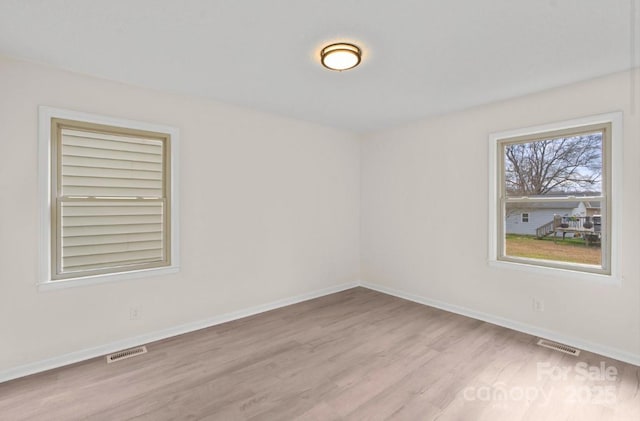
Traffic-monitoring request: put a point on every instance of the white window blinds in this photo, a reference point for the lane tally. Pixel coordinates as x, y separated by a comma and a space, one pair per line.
111, 201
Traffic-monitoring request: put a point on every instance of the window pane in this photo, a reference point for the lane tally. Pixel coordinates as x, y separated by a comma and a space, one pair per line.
559, 231
107, 165
554, 167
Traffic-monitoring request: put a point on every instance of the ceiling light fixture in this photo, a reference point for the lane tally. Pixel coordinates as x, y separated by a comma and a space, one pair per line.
340, 56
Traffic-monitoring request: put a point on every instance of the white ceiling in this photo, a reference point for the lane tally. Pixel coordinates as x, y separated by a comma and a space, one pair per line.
420, 57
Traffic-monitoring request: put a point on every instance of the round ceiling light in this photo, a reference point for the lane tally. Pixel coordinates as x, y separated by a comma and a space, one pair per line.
340, 56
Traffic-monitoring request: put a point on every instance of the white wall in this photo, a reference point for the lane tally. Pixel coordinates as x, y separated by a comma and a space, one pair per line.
418, 238
269, 210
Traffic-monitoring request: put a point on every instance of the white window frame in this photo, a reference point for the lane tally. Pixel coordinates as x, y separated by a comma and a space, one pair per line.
522, 217
45, 115
615, 119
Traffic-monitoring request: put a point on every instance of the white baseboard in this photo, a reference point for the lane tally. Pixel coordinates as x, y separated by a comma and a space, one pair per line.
85, 354
74, 357
606, 351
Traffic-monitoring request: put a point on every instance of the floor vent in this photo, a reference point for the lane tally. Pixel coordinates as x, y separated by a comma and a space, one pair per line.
127, 353
559, 347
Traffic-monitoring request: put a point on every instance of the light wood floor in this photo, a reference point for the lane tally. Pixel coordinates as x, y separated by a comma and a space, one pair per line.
356, 355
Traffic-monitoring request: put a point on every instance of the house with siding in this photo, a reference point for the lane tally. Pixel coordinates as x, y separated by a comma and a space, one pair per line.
524, 218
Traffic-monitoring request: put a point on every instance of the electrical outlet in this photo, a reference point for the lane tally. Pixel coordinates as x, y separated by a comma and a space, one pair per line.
134, 313
538, 305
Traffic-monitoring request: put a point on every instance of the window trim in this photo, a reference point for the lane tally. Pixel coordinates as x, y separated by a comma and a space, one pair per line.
615, 191
46, 241
522, 217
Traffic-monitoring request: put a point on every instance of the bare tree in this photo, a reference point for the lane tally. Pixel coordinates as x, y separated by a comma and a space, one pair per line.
554, 165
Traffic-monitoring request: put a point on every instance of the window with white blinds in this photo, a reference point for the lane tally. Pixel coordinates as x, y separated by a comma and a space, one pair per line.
111, 199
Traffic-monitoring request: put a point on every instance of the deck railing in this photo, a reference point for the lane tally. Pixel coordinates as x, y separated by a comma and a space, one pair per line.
570, 224
545, 229
577, 223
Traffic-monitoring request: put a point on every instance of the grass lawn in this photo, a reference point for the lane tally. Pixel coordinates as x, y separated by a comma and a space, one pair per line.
550, 248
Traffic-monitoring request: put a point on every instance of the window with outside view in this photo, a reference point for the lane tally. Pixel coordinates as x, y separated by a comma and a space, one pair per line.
553, 199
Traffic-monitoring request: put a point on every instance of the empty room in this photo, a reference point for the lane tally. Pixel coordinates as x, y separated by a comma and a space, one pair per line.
331, 210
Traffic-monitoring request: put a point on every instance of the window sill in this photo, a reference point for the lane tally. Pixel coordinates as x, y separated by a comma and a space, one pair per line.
557, 272
106, 278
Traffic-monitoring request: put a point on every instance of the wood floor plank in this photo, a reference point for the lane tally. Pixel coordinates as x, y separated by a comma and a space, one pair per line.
354, 355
